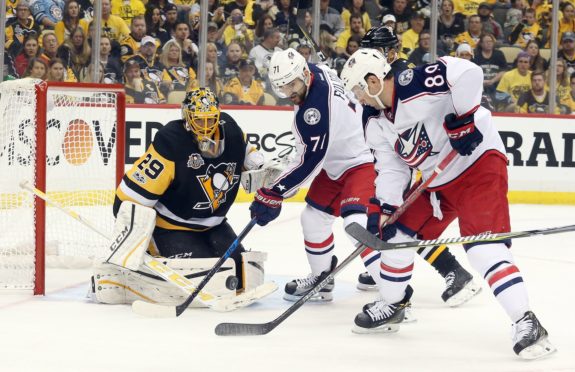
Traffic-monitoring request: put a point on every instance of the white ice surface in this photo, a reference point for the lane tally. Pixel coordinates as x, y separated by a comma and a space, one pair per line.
63, 331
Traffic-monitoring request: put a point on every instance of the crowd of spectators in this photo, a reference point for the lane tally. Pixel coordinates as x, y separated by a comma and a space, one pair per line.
152, 46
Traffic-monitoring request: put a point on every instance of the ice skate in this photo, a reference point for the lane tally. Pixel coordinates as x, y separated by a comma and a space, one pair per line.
365, 282
460, 287
530, 338
380, 317
298, 288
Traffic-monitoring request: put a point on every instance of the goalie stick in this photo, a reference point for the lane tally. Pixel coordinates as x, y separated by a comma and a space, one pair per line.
247, 329
171, 311
365, 237
167, 273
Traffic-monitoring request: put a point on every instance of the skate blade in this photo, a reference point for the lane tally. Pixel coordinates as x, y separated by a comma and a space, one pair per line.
538, 350
366, 287
408, 316
466, 293
320, 297
385, 328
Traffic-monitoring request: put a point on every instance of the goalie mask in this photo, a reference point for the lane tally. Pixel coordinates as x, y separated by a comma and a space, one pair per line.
201, 113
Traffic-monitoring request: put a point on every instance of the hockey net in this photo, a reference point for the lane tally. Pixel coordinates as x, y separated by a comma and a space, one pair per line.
67, 140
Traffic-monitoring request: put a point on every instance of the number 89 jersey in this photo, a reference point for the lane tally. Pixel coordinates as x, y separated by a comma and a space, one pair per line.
413, 126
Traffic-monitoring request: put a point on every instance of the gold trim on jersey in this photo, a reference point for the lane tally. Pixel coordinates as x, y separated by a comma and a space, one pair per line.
152, 172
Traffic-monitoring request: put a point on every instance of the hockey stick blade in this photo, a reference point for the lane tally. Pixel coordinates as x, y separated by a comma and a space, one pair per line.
247, 298
258, 329
243, 329
365, 237
219, 304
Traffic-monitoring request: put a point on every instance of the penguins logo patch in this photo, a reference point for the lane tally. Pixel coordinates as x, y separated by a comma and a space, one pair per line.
405, 77
216, 183
312, 116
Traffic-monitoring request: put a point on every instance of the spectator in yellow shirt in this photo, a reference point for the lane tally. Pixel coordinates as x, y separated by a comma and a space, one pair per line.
237, 30
113, 26
570, 99
58, 72
517, 81
128, 9
244, 89
355, 6
70, 21
567, 23
467, 7
563, 88
356, 29
526, 31
473, 33
410, 38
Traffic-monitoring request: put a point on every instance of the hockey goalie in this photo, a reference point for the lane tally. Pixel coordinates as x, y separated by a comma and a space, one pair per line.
171, 211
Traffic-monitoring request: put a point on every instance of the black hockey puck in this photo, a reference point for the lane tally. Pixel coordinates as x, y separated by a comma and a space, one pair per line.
232, 283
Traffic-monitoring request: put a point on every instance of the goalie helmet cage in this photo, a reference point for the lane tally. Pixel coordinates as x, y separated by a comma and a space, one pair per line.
67, 140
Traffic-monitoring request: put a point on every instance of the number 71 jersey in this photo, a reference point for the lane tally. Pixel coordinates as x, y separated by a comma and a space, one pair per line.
328, 133
413, 126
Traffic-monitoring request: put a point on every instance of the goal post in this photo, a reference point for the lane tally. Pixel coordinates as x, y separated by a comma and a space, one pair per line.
67, 140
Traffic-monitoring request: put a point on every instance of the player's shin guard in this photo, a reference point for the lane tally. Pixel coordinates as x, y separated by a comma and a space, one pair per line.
495, 263
318, 239
396, 268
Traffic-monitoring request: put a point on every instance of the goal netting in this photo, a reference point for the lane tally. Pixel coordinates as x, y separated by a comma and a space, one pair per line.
67, 140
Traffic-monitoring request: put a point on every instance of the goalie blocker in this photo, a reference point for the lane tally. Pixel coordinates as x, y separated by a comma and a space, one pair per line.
123, 278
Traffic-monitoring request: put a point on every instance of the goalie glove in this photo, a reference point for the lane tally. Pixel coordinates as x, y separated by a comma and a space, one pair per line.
252, 180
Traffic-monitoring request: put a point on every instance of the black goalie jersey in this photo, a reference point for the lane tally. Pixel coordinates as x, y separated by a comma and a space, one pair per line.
188, 191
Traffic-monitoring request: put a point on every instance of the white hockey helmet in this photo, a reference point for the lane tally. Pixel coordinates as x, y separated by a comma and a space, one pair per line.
286, 66
362, 63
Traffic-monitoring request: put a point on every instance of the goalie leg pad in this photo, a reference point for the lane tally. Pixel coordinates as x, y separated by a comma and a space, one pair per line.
112, 284
253, 268
132, 233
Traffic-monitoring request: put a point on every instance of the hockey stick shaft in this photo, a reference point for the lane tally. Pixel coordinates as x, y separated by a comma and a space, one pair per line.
307, 36
244, 329
165, 272
183, 306
42, 195
366, 238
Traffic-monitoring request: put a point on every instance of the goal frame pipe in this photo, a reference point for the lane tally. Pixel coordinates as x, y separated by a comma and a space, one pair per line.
41, 90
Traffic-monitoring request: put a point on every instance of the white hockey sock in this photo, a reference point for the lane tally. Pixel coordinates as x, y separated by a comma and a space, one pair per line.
495, 263
319, 254
369, 257
394, 277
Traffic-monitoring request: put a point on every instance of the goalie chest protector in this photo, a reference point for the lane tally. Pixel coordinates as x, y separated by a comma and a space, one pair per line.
202, 187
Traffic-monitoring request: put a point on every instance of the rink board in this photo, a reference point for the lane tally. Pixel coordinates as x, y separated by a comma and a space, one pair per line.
539, 147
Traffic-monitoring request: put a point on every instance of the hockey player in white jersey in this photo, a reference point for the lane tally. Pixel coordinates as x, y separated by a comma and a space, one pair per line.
460, 286
426, 112
331, 151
